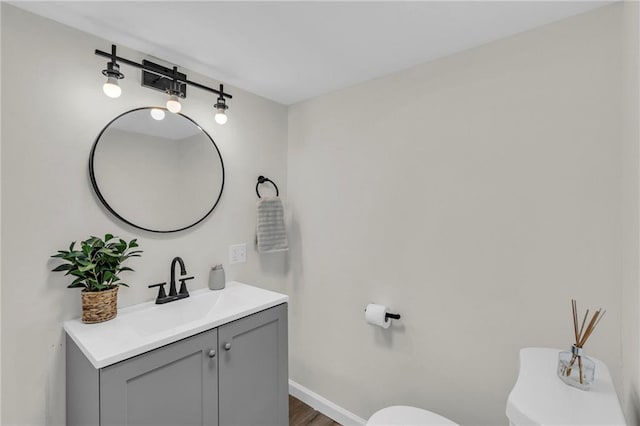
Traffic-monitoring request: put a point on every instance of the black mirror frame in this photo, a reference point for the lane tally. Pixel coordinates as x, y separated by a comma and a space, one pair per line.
104, 202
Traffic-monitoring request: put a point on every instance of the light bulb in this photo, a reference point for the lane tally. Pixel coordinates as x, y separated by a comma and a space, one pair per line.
221, 116
157, 113
111, 88
173, 104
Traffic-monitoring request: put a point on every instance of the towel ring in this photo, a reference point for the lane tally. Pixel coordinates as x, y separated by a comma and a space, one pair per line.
262, 179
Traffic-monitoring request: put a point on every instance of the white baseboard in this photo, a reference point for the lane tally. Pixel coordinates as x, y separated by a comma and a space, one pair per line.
325, 406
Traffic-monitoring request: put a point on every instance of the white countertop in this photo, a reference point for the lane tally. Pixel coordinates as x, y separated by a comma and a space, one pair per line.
540, 397
147, 326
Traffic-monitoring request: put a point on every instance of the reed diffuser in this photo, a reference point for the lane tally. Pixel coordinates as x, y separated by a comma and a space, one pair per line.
580, 376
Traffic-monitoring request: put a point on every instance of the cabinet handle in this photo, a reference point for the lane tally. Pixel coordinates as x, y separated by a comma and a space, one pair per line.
212, 353
227, 346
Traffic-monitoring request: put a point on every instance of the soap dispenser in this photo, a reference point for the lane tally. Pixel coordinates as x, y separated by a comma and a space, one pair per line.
216, 278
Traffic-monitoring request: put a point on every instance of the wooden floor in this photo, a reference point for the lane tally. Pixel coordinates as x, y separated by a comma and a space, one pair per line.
300, 414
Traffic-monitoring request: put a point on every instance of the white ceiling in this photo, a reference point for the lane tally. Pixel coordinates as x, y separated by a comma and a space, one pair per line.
291, 51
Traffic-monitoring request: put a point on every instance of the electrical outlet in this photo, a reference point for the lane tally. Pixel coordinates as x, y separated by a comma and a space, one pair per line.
238, 253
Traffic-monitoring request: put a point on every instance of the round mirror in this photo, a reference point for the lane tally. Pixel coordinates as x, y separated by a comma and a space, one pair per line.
156, 170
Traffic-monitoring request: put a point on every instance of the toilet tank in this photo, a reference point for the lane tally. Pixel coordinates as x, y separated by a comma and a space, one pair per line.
539, 397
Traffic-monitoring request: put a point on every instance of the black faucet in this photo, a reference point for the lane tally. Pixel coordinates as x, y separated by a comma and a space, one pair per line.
183, 271
173, 295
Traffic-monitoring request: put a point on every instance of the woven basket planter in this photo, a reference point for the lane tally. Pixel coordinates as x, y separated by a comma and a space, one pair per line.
99, 306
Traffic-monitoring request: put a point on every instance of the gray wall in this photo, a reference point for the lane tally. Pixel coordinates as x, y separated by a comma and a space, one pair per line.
629, 389
52, 110
476, 195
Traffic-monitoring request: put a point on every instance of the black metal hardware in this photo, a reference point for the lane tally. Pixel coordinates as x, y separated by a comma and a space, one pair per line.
174, 88
159, 72
183, 285
160, 82
221, 104
113, 69
183, 271
388, 315
162, 296
262, 179
173, 295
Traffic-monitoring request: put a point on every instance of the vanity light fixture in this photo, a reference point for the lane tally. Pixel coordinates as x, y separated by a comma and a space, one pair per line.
157, 77
221, 108
173, 103
113, 74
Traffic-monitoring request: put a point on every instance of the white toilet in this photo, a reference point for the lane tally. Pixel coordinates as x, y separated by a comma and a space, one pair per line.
538, 398
404, 415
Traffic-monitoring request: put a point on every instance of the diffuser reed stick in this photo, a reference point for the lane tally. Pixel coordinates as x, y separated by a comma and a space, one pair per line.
581, 335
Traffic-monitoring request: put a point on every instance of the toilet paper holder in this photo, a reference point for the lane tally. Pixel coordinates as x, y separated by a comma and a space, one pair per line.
388, 315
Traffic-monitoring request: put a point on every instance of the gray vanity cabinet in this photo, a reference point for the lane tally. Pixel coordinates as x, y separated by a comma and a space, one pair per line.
253, 372
235, 374
173, 385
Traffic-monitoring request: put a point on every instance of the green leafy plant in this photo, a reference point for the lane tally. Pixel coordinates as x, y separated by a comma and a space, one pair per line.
97, 264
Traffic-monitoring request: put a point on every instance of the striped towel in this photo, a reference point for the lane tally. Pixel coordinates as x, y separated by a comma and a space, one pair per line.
271, 234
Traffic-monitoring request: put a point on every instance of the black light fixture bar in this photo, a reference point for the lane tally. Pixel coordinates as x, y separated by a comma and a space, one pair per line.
160, 73
160, 83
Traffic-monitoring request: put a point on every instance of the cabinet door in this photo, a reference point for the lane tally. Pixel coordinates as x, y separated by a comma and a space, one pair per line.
253, 372
173, 385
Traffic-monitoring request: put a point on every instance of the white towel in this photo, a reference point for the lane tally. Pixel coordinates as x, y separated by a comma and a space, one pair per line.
271, 234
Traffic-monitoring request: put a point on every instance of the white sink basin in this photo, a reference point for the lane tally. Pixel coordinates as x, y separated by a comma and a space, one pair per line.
147, 326
173, 314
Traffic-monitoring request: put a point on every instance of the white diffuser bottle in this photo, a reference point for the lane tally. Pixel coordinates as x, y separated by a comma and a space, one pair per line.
575, 369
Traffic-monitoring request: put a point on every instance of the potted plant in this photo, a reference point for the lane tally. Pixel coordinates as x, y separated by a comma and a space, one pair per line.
96, 267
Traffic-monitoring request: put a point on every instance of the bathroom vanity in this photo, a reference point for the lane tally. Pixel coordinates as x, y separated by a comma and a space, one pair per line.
215, 358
